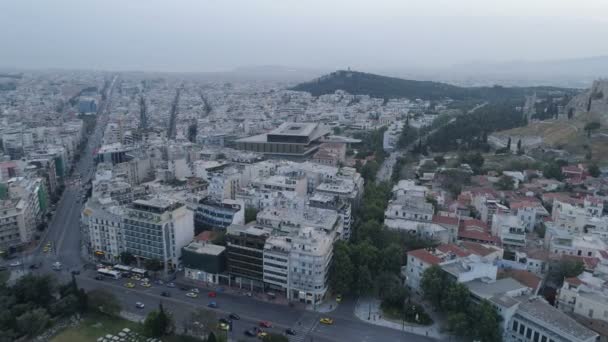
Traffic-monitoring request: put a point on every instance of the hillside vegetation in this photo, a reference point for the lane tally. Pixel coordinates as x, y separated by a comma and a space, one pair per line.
360, 83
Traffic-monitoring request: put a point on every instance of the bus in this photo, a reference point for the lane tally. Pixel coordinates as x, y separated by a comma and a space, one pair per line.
131, 271
109, 273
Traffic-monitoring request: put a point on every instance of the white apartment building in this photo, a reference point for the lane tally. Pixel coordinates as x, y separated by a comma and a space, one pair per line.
585, 295
158, 229
420, 260
578, 220
224, 184
309, 263
276, 263
510, 229
584, 246
102, 231
13, 231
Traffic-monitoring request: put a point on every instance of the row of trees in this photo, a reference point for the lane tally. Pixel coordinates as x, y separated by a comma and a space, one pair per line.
34, 302
473, 321
371, 263
471, 130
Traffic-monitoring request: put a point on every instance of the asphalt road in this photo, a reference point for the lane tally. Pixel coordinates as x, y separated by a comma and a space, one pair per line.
63, 232
346, 326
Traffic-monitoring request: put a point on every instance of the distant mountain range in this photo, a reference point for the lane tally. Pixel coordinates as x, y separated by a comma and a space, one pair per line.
360, 83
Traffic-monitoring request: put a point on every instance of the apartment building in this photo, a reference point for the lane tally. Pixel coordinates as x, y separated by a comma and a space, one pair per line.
157, 229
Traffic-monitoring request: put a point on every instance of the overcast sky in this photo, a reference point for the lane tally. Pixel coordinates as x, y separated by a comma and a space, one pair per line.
211, 35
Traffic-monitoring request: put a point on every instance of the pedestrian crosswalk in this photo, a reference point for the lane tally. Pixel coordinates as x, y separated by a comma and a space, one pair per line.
303, 327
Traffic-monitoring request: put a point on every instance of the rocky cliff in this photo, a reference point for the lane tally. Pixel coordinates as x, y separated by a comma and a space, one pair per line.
593, 100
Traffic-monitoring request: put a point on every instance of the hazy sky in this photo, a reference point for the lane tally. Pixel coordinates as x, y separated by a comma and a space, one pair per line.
208, 35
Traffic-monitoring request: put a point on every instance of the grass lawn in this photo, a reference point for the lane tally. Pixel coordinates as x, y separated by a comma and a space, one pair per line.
95, 326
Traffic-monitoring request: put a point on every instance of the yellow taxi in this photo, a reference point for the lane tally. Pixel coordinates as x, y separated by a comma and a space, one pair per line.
339, 298
129, 285
327, 320
224, 326
262, 334
144, 284
46, 249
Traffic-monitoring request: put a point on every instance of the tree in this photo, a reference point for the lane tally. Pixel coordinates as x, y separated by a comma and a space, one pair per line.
250, 214
594, 170
520, 150
33, 322
458, 323
505, 183
440, 160
365, 284
553, 170
127, 258
342, 269
211, 337
103, 302
153, 265
456, 298
486, 320
159, 323
35, 289
388, 284
390, 259
565, 268
592, 126
433, 285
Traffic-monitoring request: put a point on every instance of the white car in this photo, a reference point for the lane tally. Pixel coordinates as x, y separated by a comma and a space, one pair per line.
195, 290
139, 305
15, 264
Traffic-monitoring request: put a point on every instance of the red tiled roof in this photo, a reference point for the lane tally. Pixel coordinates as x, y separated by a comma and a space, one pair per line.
425, 256
477, 248
206, 236
478, 236
454, 249
573, 281
527, 278
467, 223
445, 220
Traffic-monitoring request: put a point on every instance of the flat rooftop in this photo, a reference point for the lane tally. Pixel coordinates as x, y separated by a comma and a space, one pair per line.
295, 128
205, 248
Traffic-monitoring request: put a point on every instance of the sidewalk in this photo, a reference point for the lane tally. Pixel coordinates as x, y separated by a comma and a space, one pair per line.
368, 310
327, 306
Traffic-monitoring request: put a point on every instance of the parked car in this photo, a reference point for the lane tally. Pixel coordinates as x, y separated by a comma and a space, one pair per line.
265, 324
98, 277
290, 331
234, 316
212, 294
129, 285
165, 294
225, 320
139, 305
212, 305
191, 295
170, 285
75, 272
